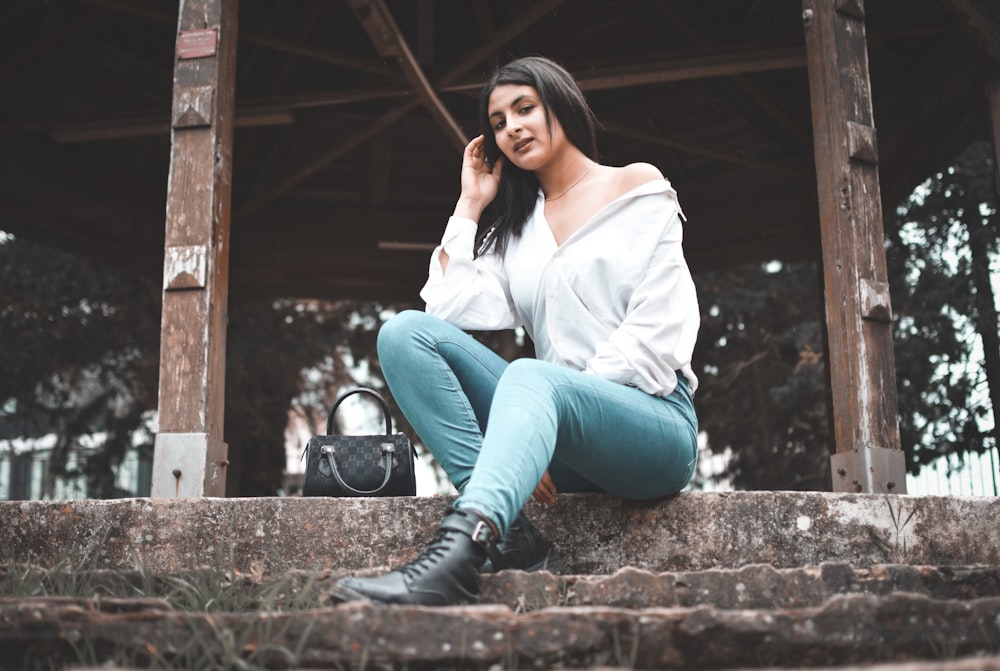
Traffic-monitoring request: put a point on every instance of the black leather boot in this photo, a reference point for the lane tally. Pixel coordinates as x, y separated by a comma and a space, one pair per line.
445, 573
524, 548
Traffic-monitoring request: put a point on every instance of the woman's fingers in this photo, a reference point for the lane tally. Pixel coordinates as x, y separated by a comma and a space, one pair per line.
496, 172
475, 147
479, 180
545, 492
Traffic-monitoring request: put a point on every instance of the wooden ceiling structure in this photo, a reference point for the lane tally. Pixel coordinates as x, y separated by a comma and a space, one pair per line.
344, 174
311, 149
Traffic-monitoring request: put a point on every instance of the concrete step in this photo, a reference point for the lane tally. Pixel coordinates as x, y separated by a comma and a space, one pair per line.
964, 664
738, 580
758, 586
595, 534
846, 630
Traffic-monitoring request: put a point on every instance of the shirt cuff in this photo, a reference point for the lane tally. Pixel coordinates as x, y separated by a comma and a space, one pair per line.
459, 237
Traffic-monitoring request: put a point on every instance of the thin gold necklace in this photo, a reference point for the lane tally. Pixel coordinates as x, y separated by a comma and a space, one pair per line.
567, 189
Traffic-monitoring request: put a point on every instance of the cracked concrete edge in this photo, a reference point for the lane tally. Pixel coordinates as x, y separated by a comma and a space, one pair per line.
848, 629
594, 533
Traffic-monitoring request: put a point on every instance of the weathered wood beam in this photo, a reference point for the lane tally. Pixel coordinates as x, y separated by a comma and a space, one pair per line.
333, 98
680, 69
350, 143
389, 42
709, 65
308, 25
858, 310
508, 32
259, 111
926, 100
714, 65
738, 88
319, 55
250, 113
190, 456
254, 37
695, 150
115, 129
981, 19
278, 141
536, 12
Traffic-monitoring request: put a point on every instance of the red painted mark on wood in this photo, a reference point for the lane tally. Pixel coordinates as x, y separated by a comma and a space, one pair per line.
197, 44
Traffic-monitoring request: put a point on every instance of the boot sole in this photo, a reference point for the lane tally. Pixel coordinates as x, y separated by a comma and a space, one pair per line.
341, 594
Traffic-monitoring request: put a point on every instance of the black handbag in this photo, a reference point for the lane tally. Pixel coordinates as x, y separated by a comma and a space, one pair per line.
379, 465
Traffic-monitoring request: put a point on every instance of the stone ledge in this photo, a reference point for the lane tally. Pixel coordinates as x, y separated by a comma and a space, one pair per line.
846, 630
755, 586
596, 534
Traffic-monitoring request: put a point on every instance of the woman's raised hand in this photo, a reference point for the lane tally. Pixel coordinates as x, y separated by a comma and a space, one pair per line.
480, 182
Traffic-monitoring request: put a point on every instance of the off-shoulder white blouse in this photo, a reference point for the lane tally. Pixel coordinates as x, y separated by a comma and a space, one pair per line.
615, 300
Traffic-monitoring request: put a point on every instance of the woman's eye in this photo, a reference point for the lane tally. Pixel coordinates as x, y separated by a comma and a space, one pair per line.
527, 108
498, 125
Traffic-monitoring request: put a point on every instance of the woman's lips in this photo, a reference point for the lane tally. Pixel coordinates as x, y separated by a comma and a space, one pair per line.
521, 144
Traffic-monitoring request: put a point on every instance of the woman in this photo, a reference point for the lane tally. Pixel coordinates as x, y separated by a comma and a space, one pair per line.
587, 258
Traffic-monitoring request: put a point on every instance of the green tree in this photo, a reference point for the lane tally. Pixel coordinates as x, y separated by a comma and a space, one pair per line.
939, 252
762, 388
79, 351
763, 396
79, 348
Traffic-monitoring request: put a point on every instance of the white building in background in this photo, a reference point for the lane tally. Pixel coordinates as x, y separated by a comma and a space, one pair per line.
24, 472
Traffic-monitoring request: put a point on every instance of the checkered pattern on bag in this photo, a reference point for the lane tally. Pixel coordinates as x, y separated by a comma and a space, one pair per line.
358, 464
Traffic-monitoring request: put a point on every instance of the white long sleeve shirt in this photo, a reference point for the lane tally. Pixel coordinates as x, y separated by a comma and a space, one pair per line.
616, 300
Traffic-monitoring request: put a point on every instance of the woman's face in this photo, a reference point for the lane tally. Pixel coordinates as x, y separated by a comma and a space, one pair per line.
517, 118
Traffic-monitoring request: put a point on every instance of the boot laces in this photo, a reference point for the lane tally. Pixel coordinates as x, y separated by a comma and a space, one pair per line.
431, 555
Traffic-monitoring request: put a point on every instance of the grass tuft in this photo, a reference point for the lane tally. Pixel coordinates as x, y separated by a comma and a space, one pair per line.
214, 643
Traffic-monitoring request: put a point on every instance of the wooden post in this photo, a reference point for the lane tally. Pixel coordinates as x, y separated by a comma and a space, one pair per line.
993, 95
190, 456
858, 310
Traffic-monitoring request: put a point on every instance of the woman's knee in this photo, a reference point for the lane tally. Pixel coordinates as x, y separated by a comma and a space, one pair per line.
398, 330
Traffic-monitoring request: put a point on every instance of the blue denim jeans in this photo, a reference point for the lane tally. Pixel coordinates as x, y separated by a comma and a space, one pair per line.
495, 427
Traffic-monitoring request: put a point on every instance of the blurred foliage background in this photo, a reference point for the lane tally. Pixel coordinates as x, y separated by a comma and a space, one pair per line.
79, 354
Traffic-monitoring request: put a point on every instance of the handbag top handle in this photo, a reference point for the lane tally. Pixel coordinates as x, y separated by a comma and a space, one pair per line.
361, 390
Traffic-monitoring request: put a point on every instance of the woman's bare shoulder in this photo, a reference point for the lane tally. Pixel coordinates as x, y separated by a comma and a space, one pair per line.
635, 175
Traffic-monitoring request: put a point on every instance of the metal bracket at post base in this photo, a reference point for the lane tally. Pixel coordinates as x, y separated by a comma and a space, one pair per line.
189, 464
869, 470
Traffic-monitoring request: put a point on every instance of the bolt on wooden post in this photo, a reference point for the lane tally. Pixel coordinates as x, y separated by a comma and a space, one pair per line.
190, 456
858, 309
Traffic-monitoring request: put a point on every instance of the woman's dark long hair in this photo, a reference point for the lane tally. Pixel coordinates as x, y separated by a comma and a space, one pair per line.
561, 97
